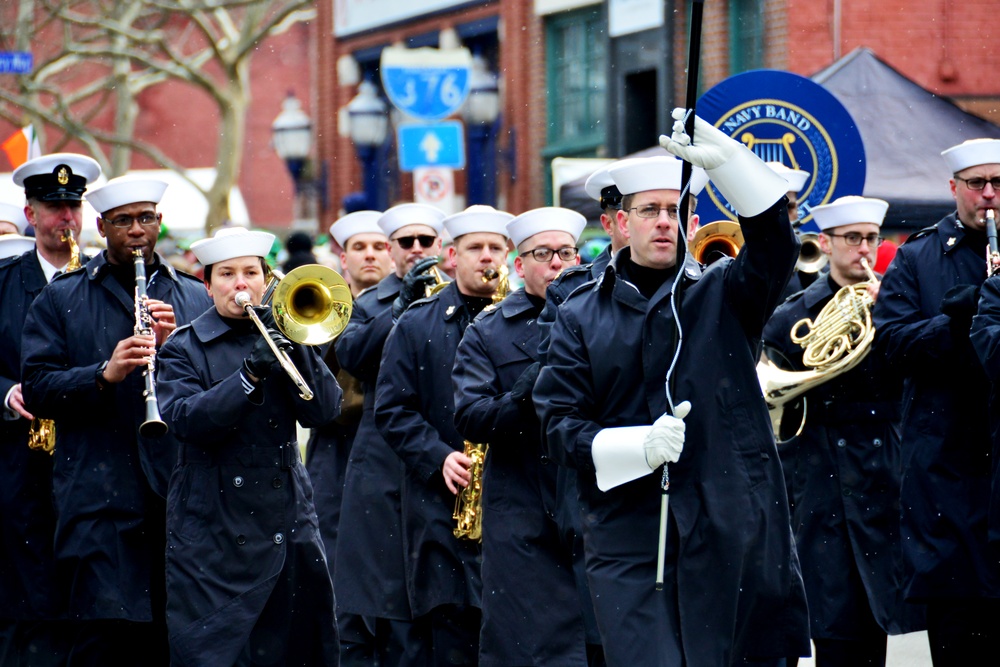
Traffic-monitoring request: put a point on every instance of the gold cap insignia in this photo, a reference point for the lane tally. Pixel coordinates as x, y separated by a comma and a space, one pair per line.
62, 176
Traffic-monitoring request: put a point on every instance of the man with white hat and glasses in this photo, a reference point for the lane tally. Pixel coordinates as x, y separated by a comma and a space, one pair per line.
84, 367
842, 470
926, 306
654, 364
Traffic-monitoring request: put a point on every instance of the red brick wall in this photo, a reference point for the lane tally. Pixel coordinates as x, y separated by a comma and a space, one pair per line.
521, 65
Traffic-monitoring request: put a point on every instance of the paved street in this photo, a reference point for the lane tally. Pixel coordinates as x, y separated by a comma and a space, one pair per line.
908, 650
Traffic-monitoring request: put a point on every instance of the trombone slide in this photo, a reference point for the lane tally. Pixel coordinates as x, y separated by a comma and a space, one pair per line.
244, 302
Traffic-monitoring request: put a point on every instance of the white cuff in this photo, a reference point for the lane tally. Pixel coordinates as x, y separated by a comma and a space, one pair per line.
748, 183
9, 413
620, 455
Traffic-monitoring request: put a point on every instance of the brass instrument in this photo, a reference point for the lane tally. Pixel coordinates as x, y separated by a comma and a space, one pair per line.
468, 513
837, 341
153, 426
992, 252
811, 257
440, 282
311, 305
716, 239
42, 432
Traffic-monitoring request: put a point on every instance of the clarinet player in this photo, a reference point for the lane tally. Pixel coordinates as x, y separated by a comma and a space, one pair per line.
79, 361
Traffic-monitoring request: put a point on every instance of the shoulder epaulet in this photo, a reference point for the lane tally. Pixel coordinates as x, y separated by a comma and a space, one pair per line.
926, 231
184, 274
365, 291
7, 261
424, 301
66, 274
488, 311
181, 328
582, 288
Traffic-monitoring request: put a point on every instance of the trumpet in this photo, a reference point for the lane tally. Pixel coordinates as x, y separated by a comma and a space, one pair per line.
311, 305
715, 240
811, 257
153, 426
440, 282
992, 252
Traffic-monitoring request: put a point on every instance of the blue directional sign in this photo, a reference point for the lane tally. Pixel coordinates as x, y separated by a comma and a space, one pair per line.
431, 145
16, 62
426, 84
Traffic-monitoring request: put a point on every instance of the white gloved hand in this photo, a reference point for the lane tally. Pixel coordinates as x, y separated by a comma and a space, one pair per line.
749, 185
713, 147
665, 440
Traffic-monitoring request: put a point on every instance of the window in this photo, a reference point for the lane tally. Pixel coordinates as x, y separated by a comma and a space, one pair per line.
746, 35
577, 85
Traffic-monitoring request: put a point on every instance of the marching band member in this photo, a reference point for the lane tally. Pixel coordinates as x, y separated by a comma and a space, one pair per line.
30, 598
415, 413
371, 583
247, 580
531, 611
843, 470
922, 318
366, 262
654, 363
79, 358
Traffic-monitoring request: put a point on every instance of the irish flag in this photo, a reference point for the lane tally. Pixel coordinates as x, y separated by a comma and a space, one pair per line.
21, 146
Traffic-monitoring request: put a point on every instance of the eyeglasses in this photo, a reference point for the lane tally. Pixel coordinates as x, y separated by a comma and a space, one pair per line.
126, 221
653, 211
980, 183
854, 238
566, 254
406, 242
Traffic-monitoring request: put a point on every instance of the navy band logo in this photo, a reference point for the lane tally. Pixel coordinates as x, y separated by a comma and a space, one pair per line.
787, 118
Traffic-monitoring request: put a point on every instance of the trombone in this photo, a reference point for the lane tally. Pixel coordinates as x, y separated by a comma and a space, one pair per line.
311, 305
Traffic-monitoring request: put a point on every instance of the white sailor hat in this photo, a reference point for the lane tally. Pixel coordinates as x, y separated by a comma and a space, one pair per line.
230, 242
601, 186
662, 172
57, 176
402, 215
850, 210
15, 215
359, 222
972, 153
478, 218
12, 245
796, 177
546, 219
125, 190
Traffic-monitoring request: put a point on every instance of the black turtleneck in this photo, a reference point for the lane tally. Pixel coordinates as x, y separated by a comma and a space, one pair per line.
240, 326
124, 274
975, 238
646, 279
537, 303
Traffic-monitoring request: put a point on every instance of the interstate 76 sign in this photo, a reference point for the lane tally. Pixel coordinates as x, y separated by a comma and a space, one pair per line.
427, 84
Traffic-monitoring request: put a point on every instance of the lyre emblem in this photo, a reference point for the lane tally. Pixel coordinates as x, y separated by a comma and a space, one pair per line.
62, 176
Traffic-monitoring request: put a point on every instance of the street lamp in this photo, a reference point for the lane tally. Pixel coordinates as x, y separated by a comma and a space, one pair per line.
368, 127
291, 134
481, 111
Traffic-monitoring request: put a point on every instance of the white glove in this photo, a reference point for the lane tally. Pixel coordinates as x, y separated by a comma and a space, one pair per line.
713, 149
665, 440
742, 177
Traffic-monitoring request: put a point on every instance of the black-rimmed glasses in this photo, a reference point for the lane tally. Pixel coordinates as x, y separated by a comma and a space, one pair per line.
855, 239
566, 254
406, 242
126, 221
980, 183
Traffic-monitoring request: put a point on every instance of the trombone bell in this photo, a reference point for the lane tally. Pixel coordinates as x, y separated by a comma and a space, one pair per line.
311, 304
811, 257
716, 239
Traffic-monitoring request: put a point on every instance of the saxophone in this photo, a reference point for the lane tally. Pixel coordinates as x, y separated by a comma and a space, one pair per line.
468, 513
42, 432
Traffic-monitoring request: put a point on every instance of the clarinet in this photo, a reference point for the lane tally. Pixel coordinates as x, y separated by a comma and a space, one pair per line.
992, 252
153, 426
